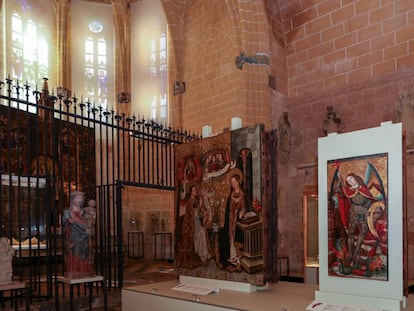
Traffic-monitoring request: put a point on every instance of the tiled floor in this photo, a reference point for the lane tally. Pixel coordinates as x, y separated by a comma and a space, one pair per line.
136, 272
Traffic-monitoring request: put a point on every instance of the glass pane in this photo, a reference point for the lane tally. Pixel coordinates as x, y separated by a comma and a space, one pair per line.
101, 47
16, 23
89, 46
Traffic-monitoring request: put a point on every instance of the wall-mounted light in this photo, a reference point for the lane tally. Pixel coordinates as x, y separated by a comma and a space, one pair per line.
236, 123
206, 131
179, 87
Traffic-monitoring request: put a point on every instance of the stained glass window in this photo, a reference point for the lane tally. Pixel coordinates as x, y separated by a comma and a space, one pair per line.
149, 66
92, 54
27, 43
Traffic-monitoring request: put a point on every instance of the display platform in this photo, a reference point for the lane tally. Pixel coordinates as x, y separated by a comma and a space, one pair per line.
161, 296
277, 297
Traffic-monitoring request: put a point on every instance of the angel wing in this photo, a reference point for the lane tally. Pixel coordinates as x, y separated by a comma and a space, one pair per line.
376, 187
374, 183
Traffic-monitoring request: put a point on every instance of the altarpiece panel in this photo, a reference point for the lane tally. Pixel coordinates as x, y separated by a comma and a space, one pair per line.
219, 222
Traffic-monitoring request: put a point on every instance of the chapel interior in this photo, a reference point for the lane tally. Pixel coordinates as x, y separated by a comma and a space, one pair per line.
125, 74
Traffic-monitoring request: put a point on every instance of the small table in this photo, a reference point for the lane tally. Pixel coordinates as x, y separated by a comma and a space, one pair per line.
86, 281
162, 239
14, 287
135, 244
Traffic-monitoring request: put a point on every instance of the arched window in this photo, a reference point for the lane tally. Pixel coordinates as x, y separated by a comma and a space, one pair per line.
96, 72
27, 43
92, 54
149, 62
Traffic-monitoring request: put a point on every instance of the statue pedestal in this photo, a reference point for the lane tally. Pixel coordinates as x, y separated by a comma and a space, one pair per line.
87, 281
14, 287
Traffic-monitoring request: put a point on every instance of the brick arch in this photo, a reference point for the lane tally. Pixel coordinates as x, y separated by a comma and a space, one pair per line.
241, 26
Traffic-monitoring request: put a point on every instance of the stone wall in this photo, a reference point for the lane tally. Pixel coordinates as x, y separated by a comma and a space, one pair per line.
356, 56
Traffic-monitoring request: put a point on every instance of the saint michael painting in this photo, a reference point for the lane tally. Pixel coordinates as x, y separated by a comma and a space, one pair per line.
358, 217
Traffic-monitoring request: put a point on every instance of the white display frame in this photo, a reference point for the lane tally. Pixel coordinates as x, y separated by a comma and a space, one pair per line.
373, 294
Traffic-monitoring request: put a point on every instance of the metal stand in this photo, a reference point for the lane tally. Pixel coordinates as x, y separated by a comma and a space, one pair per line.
162, 240
135, 244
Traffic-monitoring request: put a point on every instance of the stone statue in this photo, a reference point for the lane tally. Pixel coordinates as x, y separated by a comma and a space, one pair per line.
6, 257
79, 225
284, 138
331, 123
406, 117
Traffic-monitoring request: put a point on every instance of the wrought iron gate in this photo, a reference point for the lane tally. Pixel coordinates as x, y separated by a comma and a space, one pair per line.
51, 145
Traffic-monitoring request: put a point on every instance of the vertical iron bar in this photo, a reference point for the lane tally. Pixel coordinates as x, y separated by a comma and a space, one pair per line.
52, 219
76, 141
148, 154
152, 155
119, 232
170, 163
128, 156
123, 176
140, 151
163, 148
102, 209
157, 157
133, 160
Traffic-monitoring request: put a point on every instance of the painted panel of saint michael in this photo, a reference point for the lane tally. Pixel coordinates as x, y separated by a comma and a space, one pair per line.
358, 217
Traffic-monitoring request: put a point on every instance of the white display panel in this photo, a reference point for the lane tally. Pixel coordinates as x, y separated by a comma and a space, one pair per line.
384, 294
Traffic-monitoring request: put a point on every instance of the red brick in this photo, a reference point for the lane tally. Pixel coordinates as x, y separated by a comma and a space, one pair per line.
382, 42
403, 6
364, 6
405, 34
298, 81
345, 41
297, 58
358, 50
337, 81
411, 46
370, 59
290, 49
396, 51
317, 25
359, 75
342, 14
346, 65
295, 34
320, 50
303, 17
309, 66
346, 2
380, 14
306, 5
315, 85
308, 42
405, 61
394, 23
338, 56
287, 24
383, 68
356, 23
292, 7
332, 33
328, 7
369, 32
